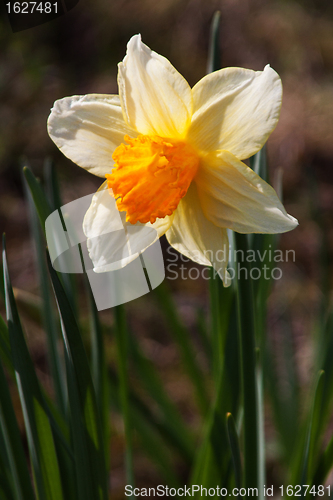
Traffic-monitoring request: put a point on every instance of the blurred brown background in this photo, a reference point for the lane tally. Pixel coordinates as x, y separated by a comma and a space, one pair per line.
78, 54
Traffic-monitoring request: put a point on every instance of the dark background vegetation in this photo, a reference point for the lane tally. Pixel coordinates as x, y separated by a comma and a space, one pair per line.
78, 54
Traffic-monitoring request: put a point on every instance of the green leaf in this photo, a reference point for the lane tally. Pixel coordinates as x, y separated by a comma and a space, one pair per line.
324, 344
156, 449
153, 419
44, 209
316, 430
5, 352
41, 445
7, 491
52, 190
235, 449
52, 194
11, 433
42, 206
324, 464
220, 306
50, 324
285, 403
215, 326
99, 371
181, 336
85, 421
247, 345
59, 426
212, 461
148, 375
324, 355
214, 56
153, 444
311, 442
121, 332
261, 428
203, 331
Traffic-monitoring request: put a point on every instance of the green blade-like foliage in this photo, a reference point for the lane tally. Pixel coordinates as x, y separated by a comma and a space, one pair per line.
214, 53
216, 324
52, 194
155, 444
11, 434
212, 461
285, 403
6, 479
121, 334
91, 477
151, 381
316, 430
324, 464
49, 320
44, 209
156, 449
203, 332
221, 299
5, 353
304, 468
40, 439
235, 450
99, 371
181, 335
42, 205
325, 353
58, 424
154, 420
247, 336
52, 190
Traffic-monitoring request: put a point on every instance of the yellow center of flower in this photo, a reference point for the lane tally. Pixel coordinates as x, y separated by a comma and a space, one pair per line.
150, 176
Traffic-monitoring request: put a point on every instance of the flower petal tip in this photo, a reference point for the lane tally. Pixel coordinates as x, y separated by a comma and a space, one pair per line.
287, 224
225, 277
294, 222
134, 43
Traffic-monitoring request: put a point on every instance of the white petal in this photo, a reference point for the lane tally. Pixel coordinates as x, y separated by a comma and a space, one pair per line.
112, 242
235, 109
87, 129
197, 238
154, 96
233, 196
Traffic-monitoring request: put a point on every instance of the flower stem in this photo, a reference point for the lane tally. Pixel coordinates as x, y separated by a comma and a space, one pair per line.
245, 305
216, 334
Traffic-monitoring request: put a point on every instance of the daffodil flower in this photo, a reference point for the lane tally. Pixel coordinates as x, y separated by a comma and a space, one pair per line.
171, 155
